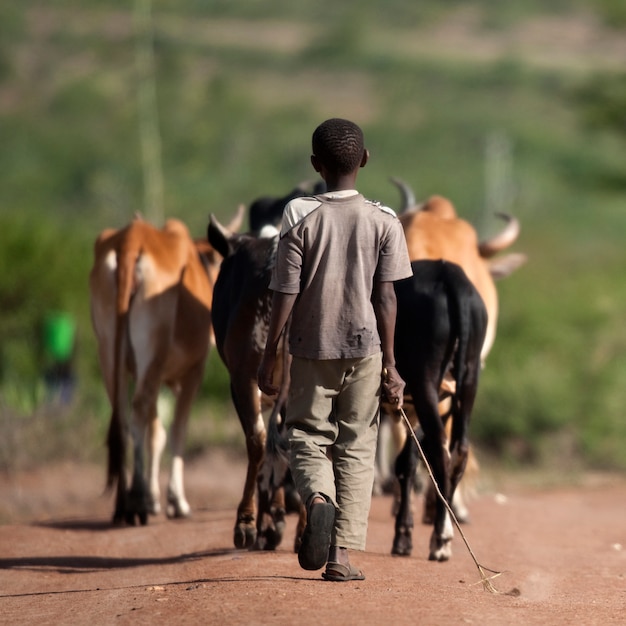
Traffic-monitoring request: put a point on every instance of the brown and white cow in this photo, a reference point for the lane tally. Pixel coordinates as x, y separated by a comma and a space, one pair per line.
434, 231
150, 295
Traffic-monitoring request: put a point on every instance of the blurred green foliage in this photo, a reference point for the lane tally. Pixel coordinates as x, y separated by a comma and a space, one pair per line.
240, 86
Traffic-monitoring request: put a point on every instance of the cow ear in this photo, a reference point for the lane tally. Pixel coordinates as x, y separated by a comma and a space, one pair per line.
219, 237
503, 266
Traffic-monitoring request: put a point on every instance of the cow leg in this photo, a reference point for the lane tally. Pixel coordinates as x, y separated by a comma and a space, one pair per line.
461, 512
430, 496
464, 488
119, 514
147, 431
272, 476
271, 516
177, 505
157, 438
435, 448
246, 401
440, 547
117, 439
383, 478
271, 480
140, 502
459, 441
405, 467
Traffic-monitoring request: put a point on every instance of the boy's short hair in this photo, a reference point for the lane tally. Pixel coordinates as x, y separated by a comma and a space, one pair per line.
339, 145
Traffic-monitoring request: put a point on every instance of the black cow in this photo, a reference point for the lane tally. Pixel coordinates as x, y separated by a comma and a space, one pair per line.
440, 329
268, 210
241, 309
240, 312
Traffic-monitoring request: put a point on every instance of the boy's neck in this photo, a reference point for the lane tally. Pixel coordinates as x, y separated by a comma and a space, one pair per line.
340, 182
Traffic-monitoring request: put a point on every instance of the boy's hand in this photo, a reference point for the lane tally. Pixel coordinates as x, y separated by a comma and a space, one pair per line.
265, 375
393, 386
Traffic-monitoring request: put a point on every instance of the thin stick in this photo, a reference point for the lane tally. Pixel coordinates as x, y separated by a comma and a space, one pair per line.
484, 579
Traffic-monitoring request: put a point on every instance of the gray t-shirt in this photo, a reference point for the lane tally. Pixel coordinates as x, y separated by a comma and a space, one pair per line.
331, 251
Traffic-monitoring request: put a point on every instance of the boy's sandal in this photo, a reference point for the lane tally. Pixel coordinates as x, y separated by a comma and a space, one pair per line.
338, 572
313, 551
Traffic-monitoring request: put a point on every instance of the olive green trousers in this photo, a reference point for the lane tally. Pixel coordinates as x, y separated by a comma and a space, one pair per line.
332, 420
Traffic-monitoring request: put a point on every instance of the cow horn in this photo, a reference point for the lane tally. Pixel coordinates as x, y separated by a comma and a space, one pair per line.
219, 236
503, 239
235, 223
408, 197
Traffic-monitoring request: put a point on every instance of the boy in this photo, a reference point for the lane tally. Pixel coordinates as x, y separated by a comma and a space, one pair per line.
337, 258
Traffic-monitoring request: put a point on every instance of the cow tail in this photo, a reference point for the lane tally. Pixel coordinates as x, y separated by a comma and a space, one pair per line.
276, 452
460, 305
277, 446
117, 438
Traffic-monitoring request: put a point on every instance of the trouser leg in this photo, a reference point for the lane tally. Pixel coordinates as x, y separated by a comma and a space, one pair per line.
314, 385
357, 418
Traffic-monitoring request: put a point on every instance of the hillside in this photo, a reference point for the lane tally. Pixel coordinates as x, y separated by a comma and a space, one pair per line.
483, 103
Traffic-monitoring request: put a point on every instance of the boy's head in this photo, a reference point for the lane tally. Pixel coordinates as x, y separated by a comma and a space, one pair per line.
338, 146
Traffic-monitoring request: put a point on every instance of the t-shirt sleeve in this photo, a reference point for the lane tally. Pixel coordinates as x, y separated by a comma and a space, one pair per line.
288, 266
394, 263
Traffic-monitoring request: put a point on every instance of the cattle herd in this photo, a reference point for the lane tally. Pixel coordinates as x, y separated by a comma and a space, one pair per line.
160, 299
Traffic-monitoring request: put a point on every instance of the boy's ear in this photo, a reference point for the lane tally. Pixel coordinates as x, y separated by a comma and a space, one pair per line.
365, 159
315, 163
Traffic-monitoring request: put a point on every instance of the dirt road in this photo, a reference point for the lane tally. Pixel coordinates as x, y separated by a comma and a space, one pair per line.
563, 552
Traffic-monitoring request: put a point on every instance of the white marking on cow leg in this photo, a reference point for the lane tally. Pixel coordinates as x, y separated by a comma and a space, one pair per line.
457, 460
459, 507
157, 437
259, 425
177, 505
441, 545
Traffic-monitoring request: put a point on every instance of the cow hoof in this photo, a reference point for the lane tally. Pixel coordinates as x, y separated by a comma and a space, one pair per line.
138, 504
440, 551
462, 515
402, 542
439, 557
132, 517
118, 519
268, 539
177, 510
441, 542
401, 550
244, 536
271, 537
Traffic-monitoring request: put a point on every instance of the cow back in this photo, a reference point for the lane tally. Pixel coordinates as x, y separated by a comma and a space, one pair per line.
242, 301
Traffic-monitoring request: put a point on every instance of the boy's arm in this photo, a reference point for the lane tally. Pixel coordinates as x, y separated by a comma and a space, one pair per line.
282, 305
385, 308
